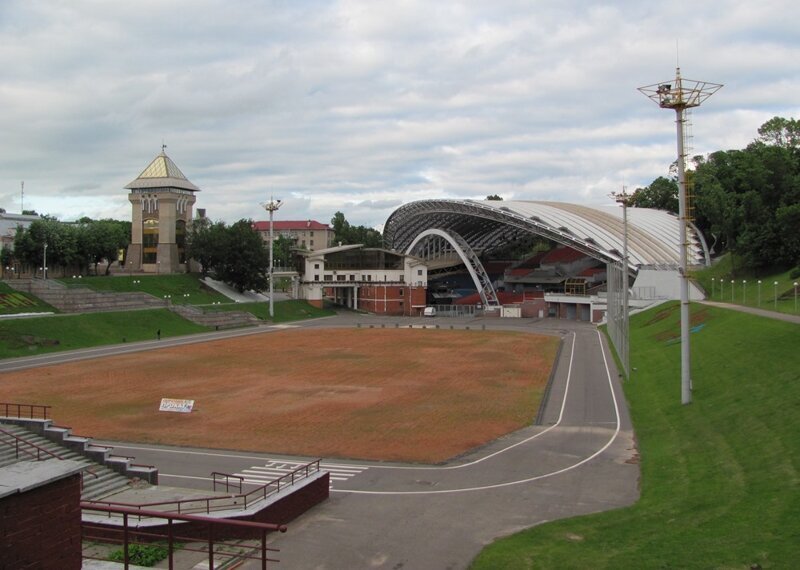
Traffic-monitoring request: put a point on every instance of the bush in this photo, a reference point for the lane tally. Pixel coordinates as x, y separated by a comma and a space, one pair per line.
141, 554
795, 273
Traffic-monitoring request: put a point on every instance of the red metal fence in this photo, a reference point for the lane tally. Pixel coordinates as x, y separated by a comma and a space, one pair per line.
28, 411
127, 535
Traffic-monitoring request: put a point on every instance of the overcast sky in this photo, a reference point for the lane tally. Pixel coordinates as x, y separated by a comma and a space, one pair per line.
361, 106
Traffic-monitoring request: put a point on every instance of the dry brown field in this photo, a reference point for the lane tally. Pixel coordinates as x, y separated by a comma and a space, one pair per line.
391, 394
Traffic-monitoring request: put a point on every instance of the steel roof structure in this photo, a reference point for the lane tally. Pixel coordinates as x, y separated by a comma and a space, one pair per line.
484, 225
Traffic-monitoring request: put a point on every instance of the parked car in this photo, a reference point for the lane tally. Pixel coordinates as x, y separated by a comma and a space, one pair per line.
429, 312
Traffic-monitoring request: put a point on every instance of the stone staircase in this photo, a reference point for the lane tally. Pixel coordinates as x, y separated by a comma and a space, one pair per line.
105, 474
83, 299
216, 319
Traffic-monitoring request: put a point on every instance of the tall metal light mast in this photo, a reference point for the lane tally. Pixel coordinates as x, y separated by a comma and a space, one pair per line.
271, 207
624, 199
679, 95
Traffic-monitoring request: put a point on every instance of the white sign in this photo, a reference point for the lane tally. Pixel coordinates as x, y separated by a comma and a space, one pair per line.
173, 405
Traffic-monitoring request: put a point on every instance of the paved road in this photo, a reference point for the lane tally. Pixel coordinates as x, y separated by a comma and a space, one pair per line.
580, 460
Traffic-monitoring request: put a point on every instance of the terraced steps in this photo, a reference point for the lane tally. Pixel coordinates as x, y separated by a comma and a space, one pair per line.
99, 480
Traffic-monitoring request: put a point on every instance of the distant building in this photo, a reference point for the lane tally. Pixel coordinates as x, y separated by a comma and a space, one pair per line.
369, 279
162, 199
9, 223
309, 235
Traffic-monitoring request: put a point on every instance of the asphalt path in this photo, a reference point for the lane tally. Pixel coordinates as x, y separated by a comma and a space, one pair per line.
580, 459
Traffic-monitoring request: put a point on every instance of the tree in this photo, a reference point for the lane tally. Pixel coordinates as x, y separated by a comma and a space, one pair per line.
102, 240
346, 234
781, 132
494, 197
205, 242
245, 259
661, 194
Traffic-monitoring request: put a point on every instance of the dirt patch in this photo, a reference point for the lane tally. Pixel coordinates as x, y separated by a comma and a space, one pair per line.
394, 394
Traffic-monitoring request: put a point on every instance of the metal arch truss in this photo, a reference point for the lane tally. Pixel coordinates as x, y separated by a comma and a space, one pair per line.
436, 243
482, 227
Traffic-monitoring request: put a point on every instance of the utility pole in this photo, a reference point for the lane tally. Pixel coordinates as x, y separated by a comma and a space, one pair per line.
624, 198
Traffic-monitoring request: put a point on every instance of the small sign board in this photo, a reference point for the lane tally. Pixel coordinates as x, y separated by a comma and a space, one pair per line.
173, 405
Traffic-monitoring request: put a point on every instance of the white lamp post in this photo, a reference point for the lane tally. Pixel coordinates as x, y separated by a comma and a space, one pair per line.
271, 207
744, 291
713, 281
759, 292
775, 293
732, 291
795, 296
44, 262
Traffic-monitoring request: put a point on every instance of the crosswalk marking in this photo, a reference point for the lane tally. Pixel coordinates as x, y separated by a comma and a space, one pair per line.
261, 474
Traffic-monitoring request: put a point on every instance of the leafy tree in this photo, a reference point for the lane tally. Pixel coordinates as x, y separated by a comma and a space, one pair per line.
780, 132
347, 234
494, 197
661, 194
282, 250
205, 241
102, 240
245, 259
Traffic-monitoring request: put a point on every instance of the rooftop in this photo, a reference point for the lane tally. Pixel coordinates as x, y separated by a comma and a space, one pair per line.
162, 173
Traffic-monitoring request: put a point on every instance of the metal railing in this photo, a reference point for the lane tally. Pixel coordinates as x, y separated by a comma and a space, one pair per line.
18, 441
128, 535
27, 411
211, 504
225, 479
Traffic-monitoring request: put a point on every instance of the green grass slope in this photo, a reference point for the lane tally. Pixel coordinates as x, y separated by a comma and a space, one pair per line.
13, 302
39, 335
292, 310
182, 288
719, 485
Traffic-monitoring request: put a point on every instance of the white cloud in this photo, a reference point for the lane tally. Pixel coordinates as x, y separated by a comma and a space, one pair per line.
358, 106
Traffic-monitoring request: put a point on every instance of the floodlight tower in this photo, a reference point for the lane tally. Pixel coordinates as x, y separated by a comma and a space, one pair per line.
624, 199
271, 207
680, 95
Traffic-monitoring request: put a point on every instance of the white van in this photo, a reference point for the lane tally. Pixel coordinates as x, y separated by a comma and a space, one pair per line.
429, 312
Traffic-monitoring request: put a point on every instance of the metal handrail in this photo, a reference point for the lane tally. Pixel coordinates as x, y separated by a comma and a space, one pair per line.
226, 480
221, 503
39, 451
129, 534
32, 410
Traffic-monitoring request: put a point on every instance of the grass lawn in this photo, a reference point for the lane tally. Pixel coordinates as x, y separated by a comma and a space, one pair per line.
720, 486
182, 288
284, 310
745, 289
13, 302
30, 336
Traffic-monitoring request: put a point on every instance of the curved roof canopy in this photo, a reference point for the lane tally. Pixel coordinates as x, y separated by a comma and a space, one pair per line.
653, 235
162, 173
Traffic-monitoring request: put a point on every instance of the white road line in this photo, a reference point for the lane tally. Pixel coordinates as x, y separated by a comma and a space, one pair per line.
529, 479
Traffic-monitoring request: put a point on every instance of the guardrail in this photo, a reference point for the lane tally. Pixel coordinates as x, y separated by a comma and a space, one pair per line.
126, 536
211, 504
27, 411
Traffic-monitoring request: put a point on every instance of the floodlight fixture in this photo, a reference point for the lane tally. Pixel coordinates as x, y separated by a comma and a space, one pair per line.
681, 94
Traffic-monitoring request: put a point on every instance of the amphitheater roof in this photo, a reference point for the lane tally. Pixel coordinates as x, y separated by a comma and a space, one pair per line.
653, 235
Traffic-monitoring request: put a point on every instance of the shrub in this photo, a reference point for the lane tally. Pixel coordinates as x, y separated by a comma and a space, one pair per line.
141, 554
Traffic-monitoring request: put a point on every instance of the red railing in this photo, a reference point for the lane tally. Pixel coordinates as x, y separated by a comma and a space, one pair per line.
238, 501
93, 532
28, 411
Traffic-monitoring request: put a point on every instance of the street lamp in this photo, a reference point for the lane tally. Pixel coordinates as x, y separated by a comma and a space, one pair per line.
775, 289
732, 291
759, 292
744, 291
721, 289
271, 207
44, 262
713, 281
795, 296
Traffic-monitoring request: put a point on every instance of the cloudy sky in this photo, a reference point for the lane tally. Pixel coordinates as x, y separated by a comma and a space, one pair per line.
362, 105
